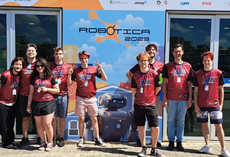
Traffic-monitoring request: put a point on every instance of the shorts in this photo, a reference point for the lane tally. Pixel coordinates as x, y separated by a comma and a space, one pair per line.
140, 112
61, 106
43, 108
22, 104
86, 103
216, 116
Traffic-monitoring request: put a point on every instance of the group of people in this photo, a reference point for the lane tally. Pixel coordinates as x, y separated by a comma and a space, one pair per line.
178, 77
37, 87
47, 97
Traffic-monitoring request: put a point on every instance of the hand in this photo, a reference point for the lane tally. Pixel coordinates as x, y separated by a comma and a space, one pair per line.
43, 89
165, 103
71, 69
189, 103
197, 109
99, 67
28, 109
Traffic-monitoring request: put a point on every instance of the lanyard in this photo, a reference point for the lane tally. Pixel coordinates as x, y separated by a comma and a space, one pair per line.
14, 83
178, 72
59, 73
142, 81
207, 80
154, 64
40, 82
86, 73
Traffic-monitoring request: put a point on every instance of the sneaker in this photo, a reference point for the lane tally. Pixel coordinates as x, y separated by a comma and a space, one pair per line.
205, 149
192, 129
81, 142
61, 142
54, 142
170, 146
24, 142
39, 141
49, 146
158, 144
179, 146
225, 153
42, 146
156, 152
143, 152
14, 143
100, 142
11, 146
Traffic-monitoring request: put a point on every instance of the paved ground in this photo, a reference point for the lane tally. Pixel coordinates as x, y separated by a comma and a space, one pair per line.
113, 149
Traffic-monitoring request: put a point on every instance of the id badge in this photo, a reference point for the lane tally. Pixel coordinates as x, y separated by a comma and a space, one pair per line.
39, 90
59, 81
141, 90
14, 92
206, 88
178, 79
86, 83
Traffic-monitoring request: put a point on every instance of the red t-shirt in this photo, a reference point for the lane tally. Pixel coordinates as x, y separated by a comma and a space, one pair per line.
25, 78
48, 83
86, 82
9, 82
177, 90
61, 72
208, 98
157, 66
148, 81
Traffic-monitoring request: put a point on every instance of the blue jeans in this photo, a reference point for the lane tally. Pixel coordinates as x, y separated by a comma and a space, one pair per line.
179, 109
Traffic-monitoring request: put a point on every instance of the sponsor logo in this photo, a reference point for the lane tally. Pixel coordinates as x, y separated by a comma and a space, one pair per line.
141, 3
184, 3
227, 3
117, 2
185, 95
166, 2
216, 102
158, 2
132, 35
206, 3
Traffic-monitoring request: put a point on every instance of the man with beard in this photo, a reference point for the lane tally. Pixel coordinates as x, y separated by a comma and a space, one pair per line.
31, 53
153, 64
8, 94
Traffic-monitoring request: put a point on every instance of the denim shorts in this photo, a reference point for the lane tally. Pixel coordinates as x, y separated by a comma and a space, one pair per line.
61, 106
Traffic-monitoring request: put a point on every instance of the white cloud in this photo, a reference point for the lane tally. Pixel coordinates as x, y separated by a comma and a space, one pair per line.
38, 30
94, 38
108, 68
223, 41
207, 39
47, 40
178, 27
27, 19
81, 23
90, 49
131, 22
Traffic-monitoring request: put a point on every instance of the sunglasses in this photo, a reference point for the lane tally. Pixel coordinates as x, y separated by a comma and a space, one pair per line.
38, 66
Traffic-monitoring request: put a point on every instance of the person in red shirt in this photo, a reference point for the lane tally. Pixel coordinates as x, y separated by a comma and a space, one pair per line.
177, 95
145, 85
60, 71
43, 87
84, 76
31, 53
8, 94
209, 99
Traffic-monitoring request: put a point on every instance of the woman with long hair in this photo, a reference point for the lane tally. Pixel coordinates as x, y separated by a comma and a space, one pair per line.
41, 101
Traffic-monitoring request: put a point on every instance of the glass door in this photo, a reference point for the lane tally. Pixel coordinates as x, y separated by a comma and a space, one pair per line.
223, 63
3, 42
195, 34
